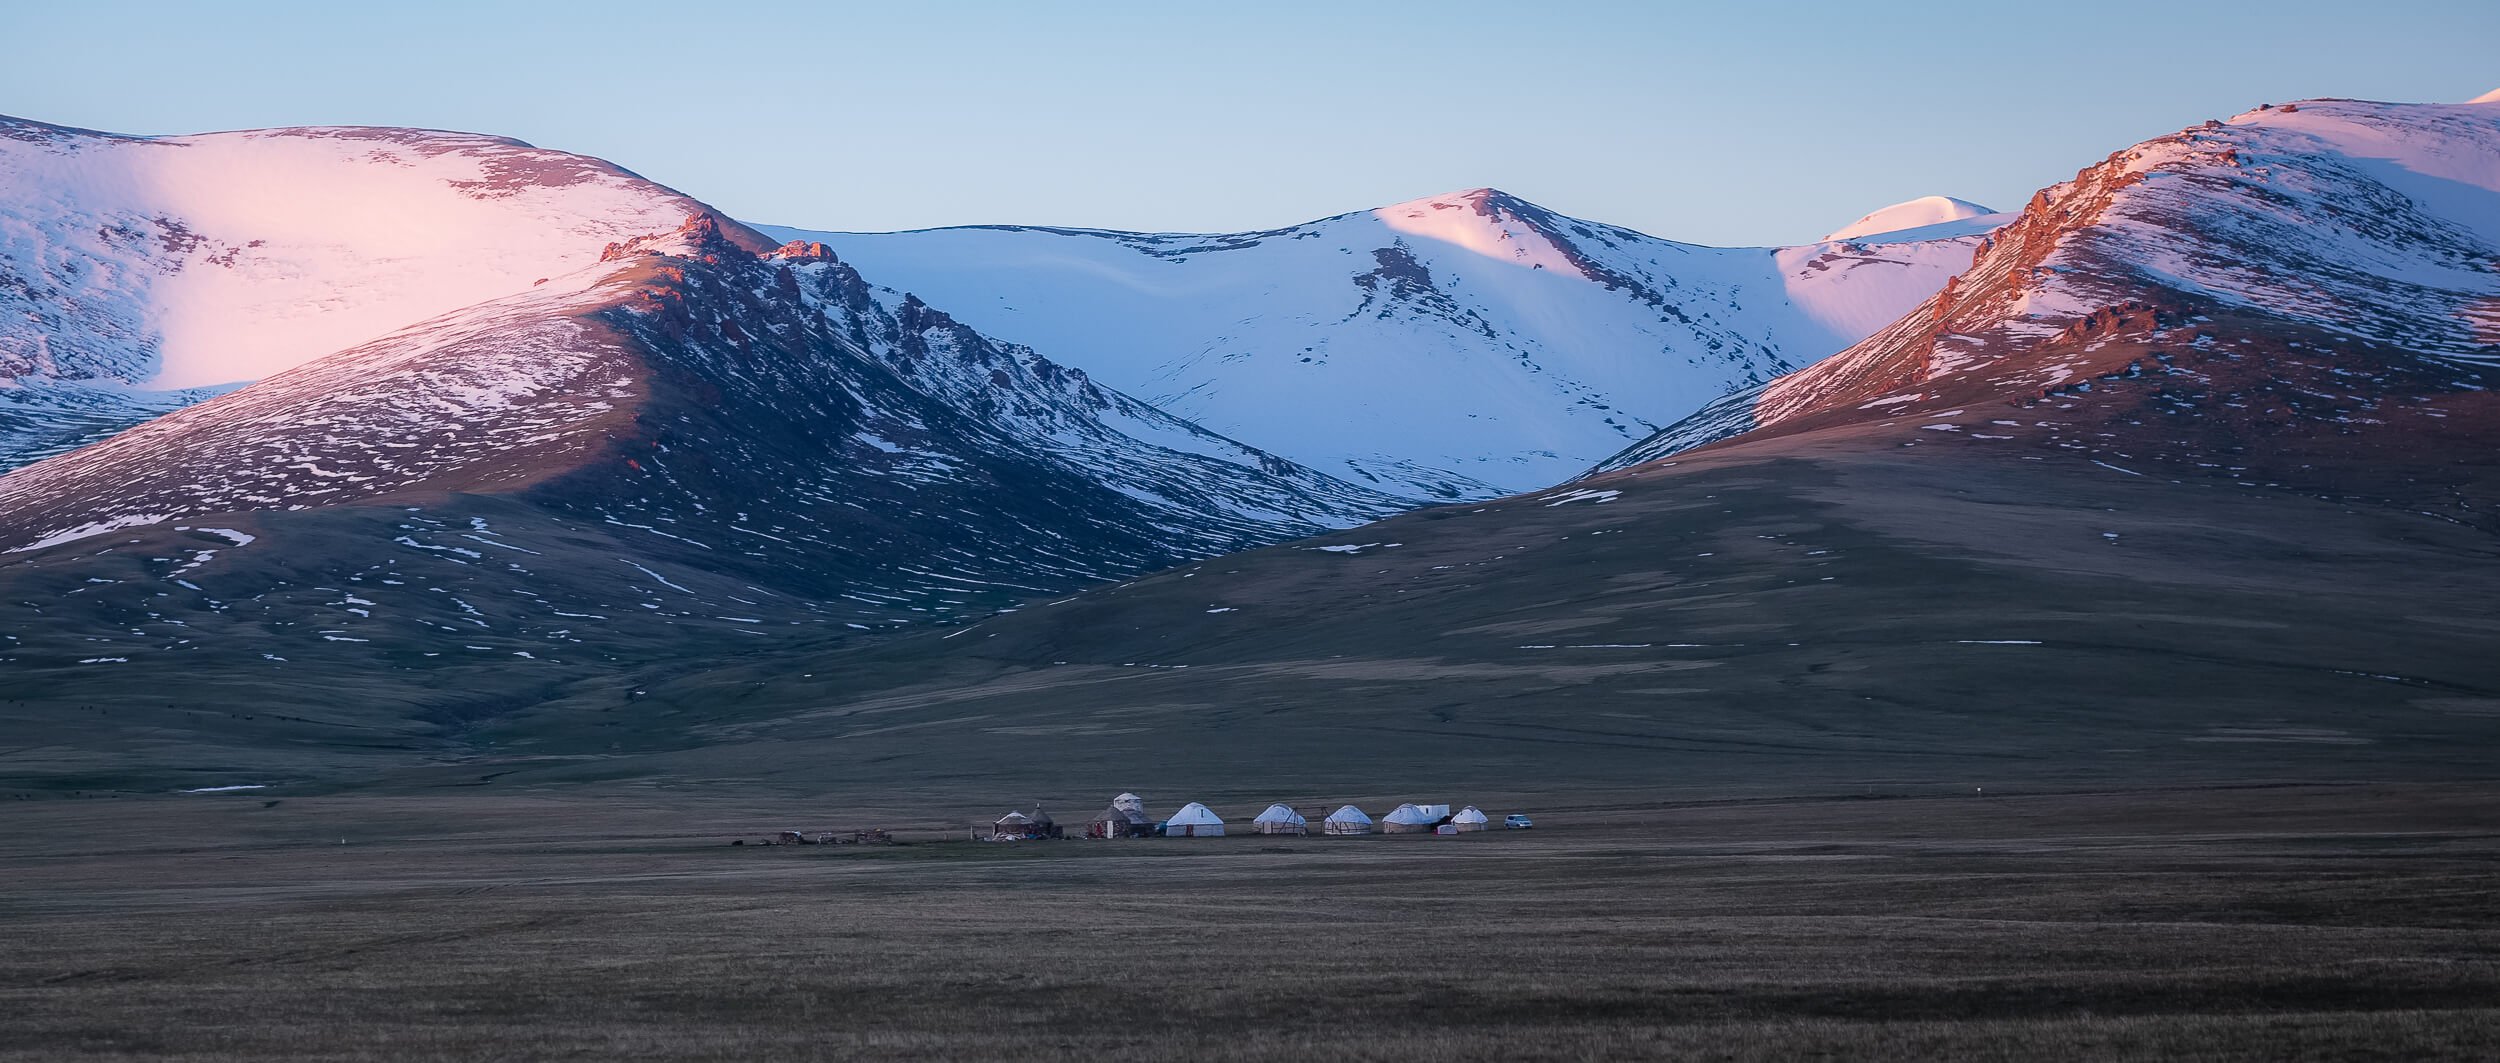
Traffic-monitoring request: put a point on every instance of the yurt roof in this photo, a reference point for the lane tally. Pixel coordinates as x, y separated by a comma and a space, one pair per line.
1349, 814
1193, 814
1411, 814
1469, 814
1014, 817
1280, 813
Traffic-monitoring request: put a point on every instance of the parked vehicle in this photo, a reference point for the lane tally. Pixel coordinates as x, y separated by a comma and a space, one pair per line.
1515, 821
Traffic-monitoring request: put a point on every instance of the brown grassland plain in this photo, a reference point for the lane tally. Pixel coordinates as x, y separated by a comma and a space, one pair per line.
2257, 922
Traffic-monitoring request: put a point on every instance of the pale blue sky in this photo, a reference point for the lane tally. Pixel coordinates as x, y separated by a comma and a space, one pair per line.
1730, 123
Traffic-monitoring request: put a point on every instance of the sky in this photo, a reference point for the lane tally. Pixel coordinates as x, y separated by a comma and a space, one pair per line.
1729, 124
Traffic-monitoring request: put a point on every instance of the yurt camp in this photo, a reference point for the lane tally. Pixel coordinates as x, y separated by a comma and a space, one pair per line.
1470, 818
1194, 820
1409, 819
1347, 820
1280, 819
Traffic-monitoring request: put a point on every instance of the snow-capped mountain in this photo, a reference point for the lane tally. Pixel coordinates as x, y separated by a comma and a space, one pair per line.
689, 434
1458, 346
137, 271
2292, 289
682, 355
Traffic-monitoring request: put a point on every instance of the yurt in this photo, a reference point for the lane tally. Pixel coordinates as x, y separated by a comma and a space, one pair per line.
1130, 803
1014, 826
1117, 822
1280, 819
1409, 819
1194, 820
1347, 820
1469, 818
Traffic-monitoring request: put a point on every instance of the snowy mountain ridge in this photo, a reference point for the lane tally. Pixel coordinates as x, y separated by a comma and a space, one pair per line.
2367, 230
684, 444
180, 262
141, 274
1451, 347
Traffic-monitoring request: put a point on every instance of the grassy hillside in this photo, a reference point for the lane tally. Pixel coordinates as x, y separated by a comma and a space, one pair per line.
1807, 613
1803, 613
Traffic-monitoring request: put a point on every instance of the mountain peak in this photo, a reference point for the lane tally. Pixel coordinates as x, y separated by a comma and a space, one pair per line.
1489, 222
2489, 97
1909, 214
1482, 200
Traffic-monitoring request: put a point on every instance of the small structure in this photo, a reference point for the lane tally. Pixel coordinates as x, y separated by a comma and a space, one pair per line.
1409, 819
1118, 822
1016, 826
1347, 820
1471, 818
1194, 820
1280, 819
1130, 803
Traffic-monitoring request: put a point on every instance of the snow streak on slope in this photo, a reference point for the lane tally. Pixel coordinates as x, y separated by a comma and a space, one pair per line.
178, 262
1458, 346
2369, 223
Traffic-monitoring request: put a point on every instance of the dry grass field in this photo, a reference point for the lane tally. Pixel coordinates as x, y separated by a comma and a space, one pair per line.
2339, 922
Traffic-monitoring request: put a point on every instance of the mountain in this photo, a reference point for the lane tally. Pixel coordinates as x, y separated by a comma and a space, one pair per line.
1925, 212
684, 448
142, 274
2186, 481
2303, 294
2191, 479
1455, 347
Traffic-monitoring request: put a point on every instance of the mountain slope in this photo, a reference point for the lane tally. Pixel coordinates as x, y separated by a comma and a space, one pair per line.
663, 456
1458, 346
1795, 614
2296, 289
134, 270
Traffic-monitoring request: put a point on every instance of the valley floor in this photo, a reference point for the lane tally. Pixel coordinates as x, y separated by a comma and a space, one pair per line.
2257, 922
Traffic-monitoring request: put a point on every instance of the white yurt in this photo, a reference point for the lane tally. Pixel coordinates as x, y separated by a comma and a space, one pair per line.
1280, 819
1470, 818
1347, 820
1194, 820
1409, 819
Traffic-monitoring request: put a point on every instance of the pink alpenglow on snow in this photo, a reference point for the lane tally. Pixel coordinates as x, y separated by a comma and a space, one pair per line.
1913, 214
1473, 220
